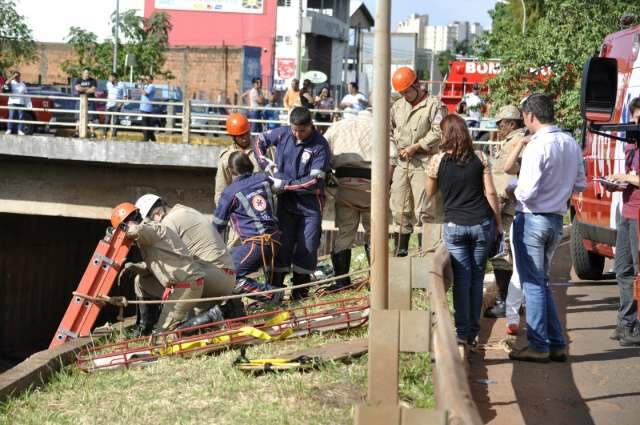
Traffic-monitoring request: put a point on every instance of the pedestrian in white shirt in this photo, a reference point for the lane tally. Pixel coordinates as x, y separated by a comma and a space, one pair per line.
552, 169
17, 87
353, 102
474, 103
115, 94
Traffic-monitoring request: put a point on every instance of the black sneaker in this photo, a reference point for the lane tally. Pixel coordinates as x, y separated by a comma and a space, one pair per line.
497, 310
560, 356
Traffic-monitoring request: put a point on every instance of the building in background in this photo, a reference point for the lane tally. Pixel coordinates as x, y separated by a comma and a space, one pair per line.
439, 38
415, 24
311, 35
360, 22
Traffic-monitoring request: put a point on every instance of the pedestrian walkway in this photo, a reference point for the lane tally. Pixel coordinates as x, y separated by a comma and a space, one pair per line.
601, 383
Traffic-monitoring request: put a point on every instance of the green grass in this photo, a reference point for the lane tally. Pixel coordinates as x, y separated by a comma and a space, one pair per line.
209, 390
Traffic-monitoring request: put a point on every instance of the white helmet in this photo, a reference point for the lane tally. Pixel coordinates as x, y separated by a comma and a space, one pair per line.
145, 203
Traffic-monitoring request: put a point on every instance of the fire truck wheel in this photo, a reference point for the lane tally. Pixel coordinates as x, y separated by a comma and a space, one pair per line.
586, 264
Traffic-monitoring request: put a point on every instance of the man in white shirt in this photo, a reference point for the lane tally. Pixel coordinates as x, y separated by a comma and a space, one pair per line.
257, 101
17, 87
353, 102
552, 169
115, 94
474, 103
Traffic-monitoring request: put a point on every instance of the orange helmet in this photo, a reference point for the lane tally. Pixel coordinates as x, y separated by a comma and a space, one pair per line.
121, 212
237, 124
403, 78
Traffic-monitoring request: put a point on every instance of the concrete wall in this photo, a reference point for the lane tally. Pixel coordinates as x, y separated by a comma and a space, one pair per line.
206, 71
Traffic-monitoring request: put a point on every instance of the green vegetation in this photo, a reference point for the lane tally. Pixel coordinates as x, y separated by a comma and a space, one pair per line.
16, 38
559, 34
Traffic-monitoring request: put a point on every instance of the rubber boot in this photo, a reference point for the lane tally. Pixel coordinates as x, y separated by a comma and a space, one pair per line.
420, 240
403, 245
299, 279
233, 308
395, 237
214, 314
146, 317
277, 282
502, 282
341, 264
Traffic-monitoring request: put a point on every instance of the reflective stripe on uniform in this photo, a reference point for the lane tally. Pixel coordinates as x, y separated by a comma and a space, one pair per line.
245, 204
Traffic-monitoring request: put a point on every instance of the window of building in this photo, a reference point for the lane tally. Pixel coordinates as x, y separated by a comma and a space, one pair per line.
284, 3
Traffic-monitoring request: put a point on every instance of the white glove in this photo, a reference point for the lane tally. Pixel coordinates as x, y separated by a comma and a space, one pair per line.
271, 167
278, 184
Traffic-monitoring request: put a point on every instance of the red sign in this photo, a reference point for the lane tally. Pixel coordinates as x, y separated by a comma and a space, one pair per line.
286, 68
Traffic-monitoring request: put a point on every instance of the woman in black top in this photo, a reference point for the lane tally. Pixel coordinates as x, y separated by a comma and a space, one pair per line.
471, 217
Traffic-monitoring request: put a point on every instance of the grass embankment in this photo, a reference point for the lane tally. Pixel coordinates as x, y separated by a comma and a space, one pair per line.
209, 390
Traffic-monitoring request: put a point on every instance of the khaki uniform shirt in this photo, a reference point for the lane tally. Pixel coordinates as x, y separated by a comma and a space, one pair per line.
223, 174
199, 235
350, 141
164, 253
416, 124
502, 179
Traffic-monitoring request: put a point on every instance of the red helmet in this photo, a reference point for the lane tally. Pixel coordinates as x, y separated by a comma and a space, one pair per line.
121, 212
237, 124
403, 78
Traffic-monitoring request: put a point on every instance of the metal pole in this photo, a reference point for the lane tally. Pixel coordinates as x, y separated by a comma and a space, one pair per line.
524, 15
299, 58
431, 71
380, 158
115, 36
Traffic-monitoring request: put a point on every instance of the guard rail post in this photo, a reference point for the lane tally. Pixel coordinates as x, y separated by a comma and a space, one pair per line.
170, 119
83, 116
186, 120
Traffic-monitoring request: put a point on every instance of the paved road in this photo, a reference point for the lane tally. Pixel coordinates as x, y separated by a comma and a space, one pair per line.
600, 385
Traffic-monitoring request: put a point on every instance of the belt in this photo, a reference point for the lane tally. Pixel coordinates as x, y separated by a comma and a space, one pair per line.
363, 173
180, 285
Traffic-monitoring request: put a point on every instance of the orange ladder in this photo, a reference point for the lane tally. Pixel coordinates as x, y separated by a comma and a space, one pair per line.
98, 278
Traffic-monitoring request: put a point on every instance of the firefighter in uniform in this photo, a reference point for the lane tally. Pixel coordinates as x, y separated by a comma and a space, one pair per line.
168, 271
239, 129
510, 129
415, 128
299, 173
350, 142
205, 244
248, 204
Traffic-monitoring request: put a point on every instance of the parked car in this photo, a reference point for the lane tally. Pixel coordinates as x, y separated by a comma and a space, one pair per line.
215, 116
164, 93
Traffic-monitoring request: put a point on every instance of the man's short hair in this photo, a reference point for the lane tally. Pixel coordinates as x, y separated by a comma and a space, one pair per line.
354, 84
300, 116
634, 104
541, 106
240, 163
255, 80
114, 74
86, 69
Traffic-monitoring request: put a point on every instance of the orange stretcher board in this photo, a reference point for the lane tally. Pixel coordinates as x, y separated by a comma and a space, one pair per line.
98, 278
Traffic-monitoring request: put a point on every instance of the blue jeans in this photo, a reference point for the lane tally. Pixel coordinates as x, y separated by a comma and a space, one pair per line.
469, 247
256, 127
626, 267
16, 114
535, 238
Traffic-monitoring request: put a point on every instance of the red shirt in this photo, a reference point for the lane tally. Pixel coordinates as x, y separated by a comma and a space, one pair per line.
631, 195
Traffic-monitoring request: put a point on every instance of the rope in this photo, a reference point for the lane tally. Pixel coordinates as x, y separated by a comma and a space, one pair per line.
123, 302
263, 239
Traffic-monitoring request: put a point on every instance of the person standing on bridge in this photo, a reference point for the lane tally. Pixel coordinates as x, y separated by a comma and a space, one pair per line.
551, 170
627, 329
301, 165
146, 107
17, 87
415, 128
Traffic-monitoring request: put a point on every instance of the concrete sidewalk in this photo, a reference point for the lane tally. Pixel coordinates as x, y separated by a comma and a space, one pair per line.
601, 383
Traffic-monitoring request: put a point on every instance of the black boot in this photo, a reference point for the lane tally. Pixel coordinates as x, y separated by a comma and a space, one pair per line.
214, 314
403, 245
146, 317
233, 308
420, 241
341, 264
499, 309
395, 236
277, 282
299, 279
367, 251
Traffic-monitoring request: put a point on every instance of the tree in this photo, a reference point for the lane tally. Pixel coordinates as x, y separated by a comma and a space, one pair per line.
564, 35
146, 38
443, 59
16, 39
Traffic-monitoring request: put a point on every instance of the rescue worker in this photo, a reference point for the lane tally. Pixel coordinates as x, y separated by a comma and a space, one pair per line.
415, 130
511, 130
350, 144
168, 270
248, 203
299, 173
239, 129
205, 244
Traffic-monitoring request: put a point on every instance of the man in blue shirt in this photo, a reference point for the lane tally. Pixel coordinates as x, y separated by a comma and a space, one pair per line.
248, 203
146, 107
298, 175
115, 94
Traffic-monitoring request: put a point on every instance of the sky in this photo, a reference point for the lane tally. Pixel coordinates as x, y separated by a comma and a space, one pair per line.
50, 20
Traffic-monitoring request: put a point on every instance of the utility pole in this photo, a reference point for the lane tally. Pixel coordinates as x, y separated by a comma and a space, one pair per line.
299, 59
115, 35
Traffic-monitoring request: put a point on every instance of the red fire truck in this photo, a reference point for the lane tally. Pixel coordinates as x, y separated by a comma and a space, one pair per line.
36, 102
463, 74
610, 81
